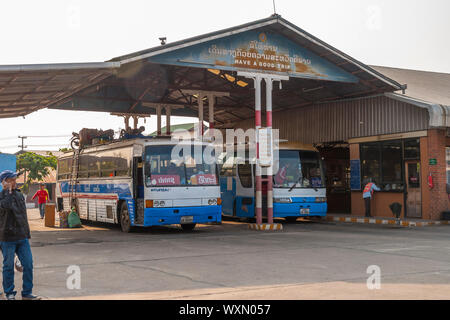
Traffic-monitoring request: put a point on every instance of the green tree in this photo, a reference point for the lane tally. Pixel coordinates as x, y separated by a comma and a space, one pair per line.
35, 166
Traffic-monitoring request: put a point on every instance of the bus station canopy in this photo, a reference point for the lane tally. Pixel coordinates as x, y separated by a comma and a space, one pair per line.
28, 88
170, 74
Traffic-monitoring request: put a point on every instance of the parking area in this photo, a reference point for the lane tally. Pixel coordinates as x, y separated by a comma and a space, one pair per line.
307, 260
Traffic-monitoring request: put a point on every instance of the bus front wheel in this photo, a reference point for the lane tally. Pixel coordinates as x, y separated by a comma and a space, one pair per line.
125, 222
188, 227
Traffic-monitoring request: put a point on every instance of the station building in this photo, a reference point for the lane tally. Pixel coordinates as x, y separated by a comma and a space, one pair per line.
385, 124
400, 140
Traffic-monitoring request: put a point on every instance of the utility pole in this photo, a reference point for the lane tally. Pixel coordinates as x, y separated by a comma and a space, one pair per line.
23, 147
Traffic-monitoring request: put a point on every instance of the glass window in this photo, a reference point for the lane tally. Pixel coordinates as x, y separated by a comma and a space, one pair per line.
64, 168
228, 169
413, 175
383, 162
370, 162
300, 168
245, 175
392, 163
93, 166
84, 167
412, 149
447, 154
162, 170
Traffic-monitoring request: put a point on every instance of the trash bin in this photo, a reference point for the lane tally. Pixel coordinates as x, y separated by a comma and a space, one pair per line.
50, 215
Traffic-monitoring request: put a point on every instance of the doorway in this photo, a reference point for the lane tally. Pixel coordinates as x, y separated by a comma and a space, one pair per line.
336, 159
413, 190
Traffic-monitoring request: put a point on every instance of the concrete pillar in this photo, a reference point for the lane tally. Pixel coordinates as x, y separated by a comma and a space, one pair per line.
200, 116
168, 114
211, 101
158, 120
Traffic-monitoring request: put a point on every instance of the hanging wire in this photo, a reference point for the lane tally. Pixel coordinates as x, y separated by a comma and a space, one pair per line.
9, 138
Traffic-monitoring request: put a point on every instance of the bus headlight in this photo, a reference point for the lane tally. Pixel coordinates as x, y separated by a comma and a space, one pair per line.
212, 202
321, 199
282, 200
159, 204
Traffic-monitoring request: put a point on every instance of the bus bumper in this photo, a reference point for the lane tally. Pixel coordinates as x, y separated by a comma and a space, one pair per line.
168, 216
282, 210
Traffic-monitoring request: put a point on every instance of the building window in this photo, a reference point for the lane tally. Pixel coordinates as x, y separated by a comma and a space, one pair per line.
447, 154
383, 162
392, 163
412, 149
370, 162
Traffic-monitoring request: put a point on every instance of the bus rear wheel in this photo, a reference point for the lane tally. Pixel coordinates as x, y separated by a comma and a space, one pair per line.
291, 219
188, 227
125, 221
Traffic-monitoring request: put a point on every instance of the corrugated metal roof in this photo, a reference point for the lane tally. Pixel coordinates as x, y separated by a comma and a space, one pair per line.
28, 88
347, 119
432, 87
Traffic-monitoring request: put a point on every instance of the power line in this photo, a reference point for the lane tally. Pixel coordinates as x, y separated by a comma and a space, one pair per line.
65, 136
47, 145
8, 138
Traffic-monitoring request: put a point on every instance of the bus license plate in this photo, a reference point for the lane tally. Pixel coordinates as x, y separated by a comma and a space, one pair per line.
188, 219
304, 211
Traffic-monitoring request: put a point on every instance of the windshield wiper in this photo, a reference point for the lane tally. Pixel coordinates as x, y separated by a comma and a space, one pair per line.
301, 177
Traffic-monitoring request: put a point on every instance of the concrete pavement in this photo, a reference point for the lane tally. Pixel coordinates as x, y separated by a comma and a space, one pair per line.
308, 260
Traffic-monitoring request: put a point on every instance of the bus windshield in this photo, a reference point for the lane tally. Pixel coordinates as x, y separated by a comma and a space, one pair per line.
162, 170
300, 168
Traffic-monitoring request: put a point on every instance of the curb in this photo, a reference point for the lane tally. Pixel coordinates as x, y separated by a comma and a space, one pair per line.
381, 221
266, 227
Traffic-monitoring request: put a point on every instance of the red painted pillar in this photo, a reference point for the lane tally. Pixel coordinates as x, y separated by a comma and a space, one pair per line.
258, 206
269, 87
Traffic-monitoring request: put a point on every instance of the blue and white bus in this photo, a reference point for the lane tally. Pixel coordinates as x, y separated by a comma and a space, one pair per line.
138, 183
298, 185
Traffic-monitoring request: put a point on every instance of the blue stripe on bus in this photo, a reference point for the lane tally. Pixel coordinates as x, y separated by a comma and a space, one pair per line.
122, 189
205, 214
281, 210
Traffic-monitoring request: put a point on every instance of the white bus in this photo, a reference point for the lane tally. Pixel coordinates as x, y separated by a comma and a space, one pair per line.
138, 183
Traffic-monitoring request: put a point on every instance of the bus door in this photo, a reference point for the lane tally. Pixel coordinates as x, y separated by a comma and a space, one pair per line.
245, 191
138, 189
228, 186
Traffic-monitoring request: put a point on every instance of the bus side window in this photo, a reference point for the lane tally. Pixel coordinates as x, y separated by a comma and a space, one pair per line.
245, 175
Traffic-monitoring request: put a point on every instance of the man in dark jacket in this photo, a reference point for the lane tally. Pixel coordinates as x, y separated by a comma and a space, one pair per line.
14, 237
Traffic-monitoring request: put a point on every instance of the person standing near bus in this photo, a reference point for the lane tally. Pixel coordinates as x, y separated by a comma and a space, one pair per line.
368, 194
14, 237
42, 195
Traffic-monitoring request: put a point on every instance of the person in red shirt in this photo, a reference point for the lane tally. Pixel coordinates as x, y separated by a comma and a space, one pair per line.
42, 195
281, 176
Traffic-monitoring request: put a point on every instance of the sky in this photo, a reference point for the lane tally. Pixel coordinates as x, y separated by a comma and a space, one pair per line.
411, 34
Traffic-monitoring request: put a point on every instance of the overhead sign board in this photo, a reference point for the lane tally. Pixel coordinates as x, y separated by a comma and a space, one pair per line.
263, 51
